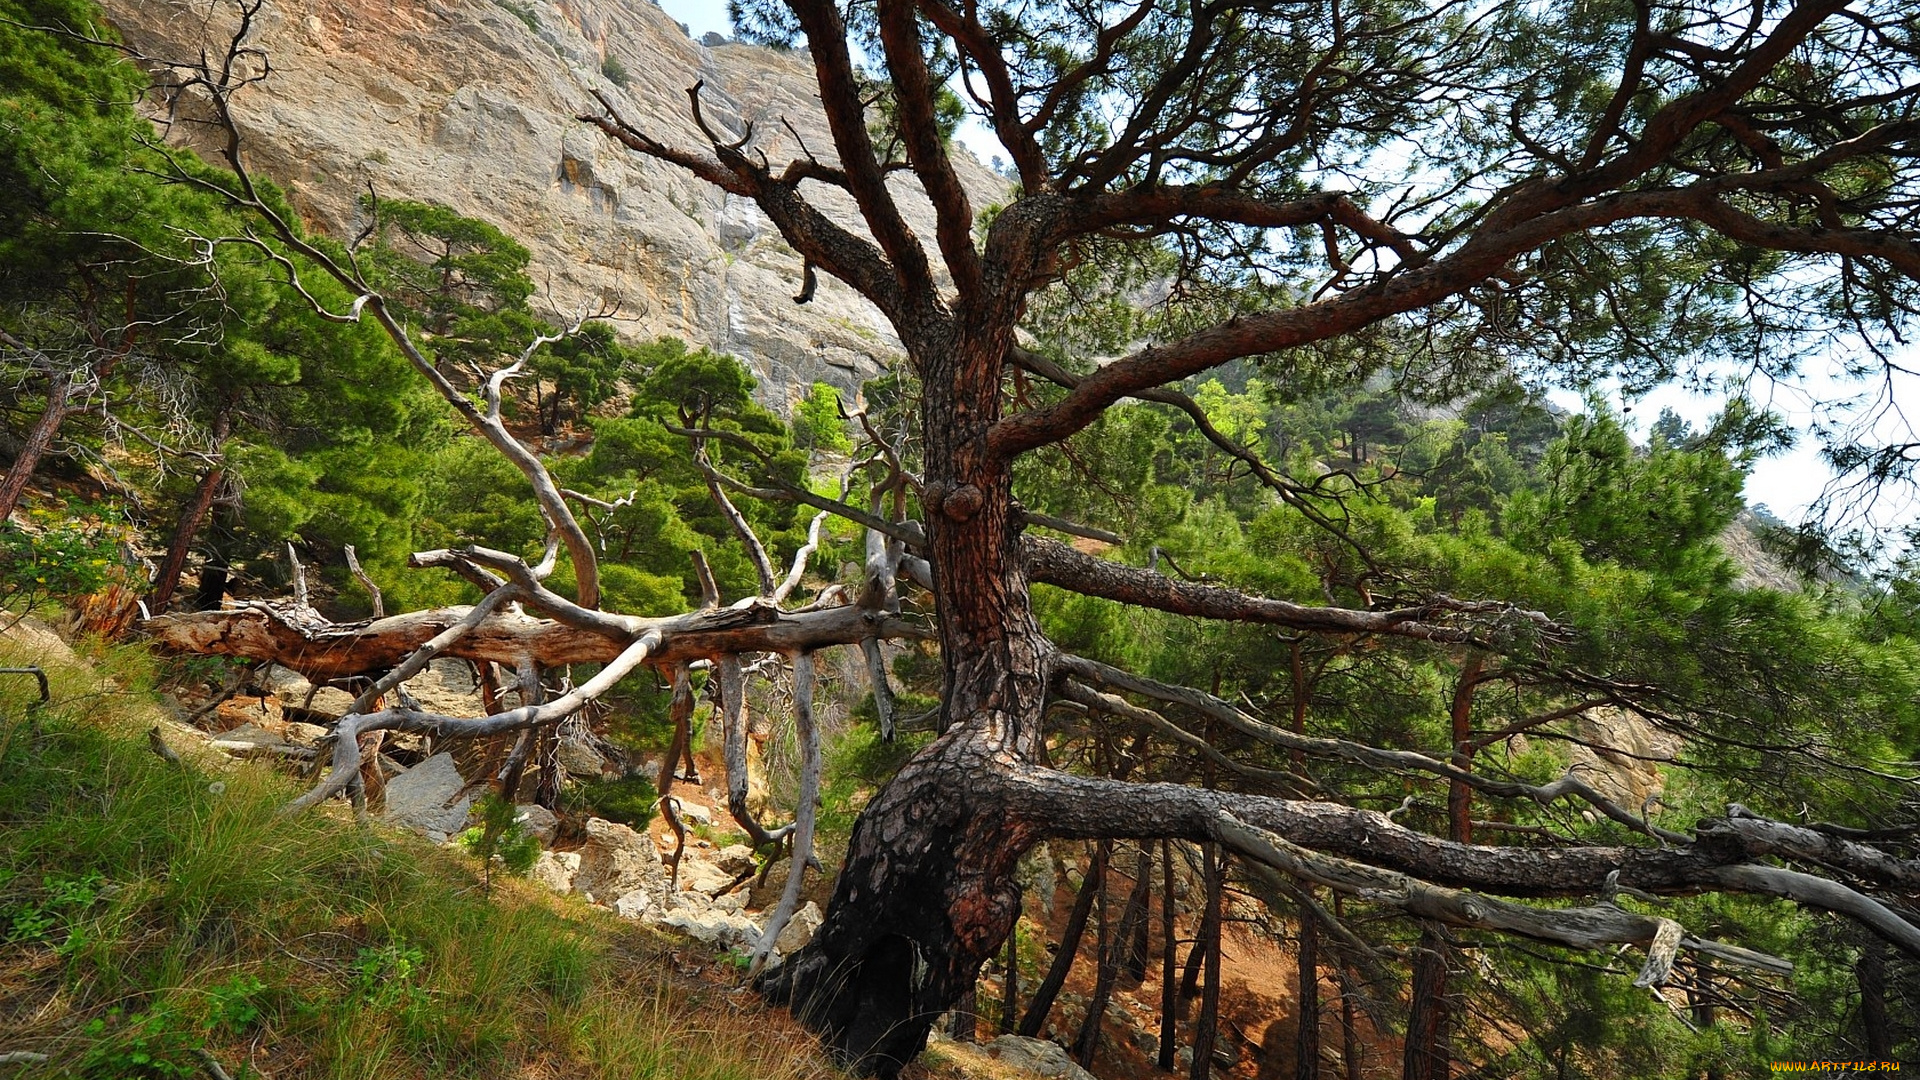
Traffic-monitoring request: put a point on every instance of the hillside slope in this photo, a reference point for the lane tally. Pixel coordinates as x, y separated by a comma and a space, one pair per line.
158, 919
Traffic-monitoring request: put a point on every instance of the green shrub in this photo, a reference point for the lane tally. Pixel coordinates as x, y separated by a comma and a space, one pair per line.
626, 799
500, 836
615, 71
67, 554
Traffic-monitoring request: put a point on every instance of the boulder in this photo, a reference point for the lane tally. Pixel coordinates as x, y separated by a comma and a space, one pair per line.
578, 757
715, 926
799, 929
430, 798
693, 813
699, 875
735, 859
616, 860
309, 735
1010, 1056
540, 822
291, 689
634, 905
556, 870
447, 686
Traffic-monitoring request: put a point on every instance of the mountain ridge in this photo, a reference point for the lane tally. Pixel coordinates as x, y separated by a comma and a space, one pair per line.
472, 103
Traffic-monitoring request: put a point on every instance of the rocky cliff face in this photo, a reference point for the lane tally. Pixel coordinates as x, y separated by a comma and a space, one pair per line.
472, 103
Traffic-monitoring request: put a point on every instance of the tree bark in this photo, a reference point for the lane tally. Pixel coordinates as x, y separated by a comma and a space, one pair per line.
1169, 983
965, 1016
1306, 1055
1426, 1055
1106, 952
1459, 793
1010, 990
1871, 972
927, 892
1130, 941
1068, 948
1206, 1027
59, 390
190, 518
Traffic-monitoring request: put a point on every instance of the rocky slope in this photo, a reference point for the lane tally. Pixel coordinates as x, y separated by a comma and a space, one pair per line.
472, 103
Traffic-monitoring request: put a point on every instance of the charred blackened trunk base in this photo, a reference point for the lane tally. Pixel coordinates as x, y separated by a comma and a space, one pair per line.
926, 897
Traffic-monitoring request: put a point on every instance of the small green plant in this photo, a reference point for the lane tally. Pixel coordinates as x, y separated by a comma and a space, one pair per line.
157, 1044
66, 554
615, 71
523, 12
235, 1005
388, 976
62, 898
500, 836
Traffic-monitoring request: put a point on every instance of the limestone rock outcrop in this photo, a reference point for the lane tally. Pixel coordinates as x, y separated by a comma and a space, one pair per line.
472, 103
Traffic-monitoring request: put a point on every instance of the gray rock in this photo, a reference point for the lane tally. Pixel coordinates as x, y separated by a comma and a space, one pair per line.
699, 875
539, 822
429, 798
715, 926
292, 689
578, 757
309, 735
1036, 1057
694, 813
799, 929
735, 859
634, 905
556, 870
616, 861
458, 103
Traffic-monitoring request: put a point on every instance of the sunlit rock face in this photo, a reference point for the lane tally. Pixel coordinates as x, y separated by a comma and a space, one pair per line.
472, 103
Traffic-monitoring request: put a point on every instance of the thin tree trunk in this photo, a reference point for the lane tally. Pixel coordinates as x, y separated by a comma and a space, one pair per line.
1871, 971
1349, 1027
1306, 1056
965, 1016
1070, 935
190, 518
1106, 953
214, 574
1130, 942
547, 792
1010, 996
1459, 795
1426, 1050
1206, 1026
1169, 984
59, 390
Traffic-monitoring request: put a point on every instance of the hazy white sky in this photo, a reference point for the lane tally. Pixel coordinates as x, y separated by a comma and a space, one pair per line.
701, 16
1786, 483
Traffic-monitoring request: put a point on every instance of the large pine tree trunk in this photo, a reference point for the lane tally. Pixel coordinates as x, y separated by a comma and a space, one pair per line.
927, 892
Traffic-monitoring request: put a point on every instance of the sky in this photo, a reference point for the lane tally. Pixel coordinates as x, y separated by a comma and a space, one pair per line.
701, 16
1787, 483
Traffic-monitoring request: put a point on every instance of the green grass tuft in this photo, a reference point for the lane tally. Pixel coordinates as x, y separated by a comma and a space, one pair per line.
154, 914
